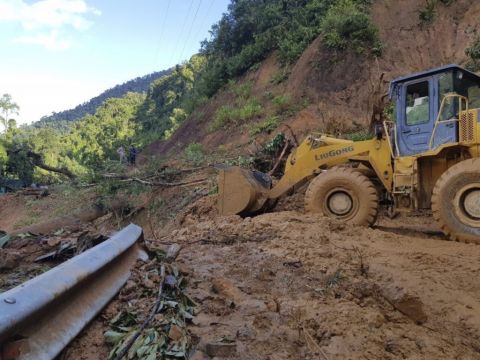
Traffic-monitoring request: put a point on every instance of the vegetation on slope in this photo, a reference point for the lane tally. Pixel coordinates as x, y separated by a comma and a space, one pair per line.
243, 37
253, 29
90, 142
473, 53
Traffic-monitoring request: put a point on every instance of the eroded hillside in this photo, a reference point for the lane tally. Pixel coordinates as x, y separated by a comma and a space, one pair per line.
284, 284
338, 91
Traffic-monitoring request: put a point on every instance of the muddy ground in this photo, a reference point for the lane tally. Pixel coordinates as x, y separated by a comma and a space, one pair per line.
287, 285
383, 293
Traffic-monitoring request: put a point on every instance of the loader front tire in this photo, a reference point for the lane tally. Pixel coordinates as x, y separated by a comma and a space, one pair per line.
456, 201
343, 194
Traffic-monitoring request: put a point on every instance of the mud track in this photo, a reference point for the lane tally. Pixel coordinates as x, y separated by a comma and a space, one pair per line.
285, 284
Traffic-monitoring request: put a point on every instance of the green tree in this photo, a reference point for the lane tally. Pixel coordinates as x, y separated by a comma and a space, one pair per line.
7, 108
347, 24
3, 157
95, 138
20, 164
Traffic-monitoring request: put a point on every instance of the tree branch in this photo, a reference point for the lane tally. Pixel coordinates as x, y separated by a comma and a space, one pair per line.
152, 183
37, 160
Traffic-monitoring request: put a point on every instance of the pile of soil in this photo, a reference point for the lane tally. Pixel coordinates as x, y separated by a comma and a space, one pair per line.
12, 208
288, 285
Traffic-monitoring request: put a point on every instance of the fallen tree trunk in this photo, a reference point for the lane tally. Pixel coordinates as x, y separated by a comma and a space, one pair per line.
37, 160
153, 183
70, 221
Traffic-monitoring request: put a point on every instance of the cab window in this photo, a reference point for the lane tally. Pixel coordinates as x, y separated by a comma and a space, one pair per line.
468, 86
474, 96
418, 103
449, 110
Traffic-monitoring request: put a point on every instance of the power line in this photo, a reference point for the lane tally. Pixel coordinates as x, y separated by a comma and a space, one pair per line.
183, 29
190, 30
162, 32
206, 16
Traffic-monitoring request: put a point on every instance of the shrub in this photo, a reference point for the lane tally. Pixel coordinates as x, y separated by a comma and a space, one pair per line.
195, 154
255, 67
223, 115
242, 161
292, 44
275, 145
473, 52
268, 95
251, 109
389, 111
280, 77
361, 135
282, 103
227, 115
348, 25
428, 13
266, 126
241, 91
177, 117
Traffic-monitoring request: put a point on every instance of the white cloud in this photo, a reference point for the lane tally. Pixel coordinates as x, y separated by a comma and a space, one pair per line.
51, 40
44, 20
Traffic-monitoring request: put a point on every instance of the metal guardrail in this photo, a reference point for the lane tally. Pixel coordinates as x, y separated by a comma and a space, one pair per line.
41, 316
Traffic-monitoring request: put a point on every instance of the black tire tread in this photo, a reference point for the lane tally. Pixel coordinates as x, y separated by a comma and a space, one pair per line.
358, 180
437, 198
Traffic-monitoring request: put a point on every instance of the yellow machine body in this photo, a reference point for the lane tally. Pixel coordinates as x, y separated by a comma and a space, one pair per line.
410, 179
408, 161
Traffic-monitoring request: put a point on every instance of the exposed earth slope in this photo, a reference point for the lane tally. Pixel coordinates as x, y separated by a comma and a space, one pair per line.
340, 91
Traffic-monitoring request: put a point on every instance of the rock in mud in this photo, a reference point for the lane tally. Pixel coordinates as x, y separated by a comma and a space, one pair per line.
253, 307
129, 287
175, 333
408, 304
221, 349
198, 356
225, 288
173, 251
246, 332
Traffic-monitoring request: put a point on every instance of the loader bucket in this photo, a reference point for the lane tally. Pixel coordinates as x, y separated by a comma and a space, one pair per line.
240, 191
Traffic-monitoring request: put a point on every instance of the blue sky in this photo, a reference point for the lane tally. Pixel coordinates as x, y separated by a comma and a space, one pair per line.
57, 54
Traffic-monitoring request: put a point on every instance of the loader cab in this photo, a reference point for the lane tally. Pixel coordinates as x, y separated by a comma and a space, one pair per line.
418, 100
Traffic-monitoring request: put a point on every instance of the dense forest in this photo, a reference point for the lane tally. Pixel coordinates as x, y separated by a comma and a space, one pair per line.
245, 35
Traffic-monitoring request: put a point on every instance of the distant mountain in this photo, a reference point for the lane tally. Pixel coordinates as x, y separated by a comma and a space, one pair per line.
61, 119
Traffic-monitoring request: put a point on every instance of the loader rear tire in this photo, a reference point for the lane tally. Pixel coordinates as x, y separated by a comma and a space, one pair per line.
456, 201
344, 194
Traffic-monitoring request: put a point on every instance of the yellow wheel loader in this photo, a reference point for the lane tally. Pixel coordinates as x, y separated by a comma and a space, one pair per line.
426, 157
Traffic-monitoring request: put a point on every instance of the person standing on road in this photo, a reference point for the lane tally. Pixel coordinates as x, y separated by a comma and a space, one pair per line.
121, 154
133, 155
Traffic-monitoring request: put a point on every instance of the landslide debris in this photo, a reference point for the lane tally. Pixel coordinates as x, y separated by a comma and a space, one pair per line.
146, 329
26, 255
288, 285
